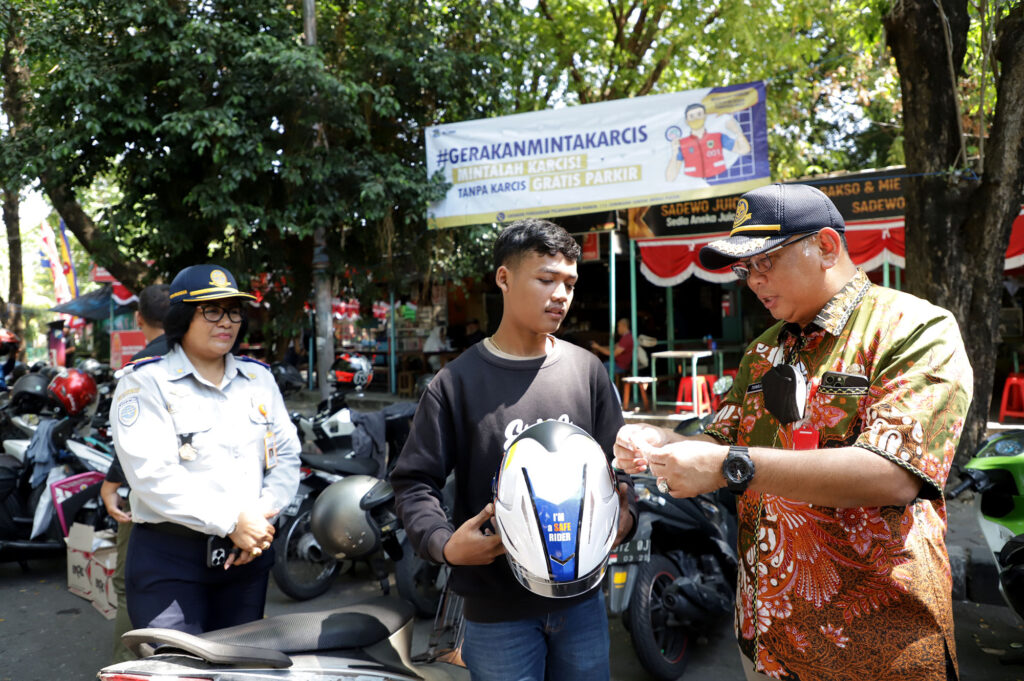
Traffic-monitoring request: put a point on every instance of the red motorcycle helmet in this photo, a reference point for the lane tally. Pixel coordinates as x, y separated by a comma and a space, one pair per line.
353, 369
9, 342
73, 389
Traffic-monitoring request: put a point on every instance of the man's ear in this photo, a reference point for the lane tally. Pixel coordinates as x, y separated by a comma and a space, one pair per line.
501, 278
830, 245
138, 319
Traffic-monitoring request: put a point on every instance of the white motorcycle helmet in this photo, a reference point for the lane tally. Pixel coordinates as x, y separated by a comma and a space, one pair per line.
556, 509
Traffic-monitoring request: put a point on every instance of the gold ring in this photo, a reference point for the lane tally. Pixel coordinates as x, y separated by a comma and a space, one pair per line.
257, 551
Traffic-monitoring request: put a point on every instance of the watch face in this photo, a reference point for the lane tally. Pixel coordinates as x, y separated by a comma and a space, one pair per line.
737, 470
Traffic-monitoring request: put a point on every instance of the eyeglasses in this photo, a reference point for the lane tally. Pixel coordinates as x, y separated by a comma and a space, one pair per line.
215, 313
762, 263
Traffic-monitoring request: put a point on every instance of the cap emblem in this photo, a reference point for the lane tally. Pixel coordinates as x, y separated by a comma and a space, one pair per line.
742, 213
218, 278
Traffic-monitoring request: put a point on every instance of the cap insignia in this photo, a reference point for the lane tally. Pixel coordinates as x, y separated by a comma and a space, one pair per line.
218, 278
742, 213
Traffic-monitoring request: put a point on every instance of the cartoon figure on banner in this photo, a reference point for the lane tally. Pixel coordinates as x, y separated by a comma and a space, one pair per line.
701, 154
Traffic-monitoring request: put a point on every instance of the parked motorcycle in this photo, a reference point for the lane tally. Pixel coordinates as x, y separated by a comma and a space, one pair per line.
370, 641
350, 443
678, 573
42, 495
995, 473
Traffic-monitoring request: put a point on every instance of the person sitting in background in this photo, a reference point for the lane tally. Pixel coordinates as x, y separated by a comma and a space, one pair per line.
623, 348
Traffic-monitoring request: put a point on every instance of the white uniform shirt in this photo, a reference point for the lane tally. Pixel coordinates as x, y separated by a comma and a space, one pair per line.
194, 453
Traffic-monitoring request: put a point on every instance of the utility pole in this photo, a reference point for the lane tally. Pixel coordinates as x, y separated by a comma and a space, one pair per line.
321, 278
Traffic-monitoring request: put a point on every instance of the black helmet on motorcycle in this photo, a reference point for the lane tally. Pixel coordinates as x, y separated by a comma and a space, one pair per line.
352, 368
347, 516
287, 377
19, 370
29, 396
73, 389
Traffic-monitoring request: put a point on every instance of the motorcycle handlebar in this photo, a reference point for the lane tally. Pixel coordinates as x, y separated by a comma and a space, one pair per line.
960, 489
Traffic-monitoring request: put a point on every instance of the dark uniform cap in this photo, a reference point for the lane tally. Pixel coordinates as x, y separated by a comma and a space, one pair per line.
767, 216
204, 282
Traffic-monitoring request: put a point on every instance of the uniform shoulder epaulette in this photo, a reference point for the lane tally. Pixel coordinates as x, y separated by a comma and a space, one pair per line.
135, 364
247, 358
142, 361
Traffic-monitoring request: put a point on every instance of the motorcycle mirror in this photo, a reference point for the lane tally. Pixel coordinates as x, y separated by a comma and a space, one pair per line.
722, 385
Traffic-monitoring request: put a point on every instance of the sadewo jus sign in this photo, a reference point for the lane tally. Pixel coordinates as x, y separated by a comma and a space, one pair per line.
606, 156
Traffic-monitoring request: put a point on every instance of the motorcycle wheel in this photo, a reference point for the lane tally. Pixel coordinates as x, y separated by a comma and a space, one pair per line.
301, 569
419, 581
662, 648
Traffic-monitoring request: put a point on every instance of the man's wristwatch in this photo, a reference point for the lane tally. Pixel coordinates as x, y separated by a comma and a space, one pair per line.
738, 469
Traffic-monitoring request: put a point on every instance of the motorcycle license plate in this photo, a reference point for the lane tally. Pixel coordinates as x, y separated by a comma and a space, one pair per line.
636, 551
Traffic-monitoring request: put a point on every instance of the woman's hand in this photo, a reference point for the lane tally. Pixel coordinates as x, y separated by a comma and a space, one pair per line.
252, 535
112, 502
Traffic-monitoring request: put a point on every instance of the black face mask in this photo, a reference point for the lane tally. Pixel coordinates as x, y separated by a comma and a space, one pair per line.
785, 393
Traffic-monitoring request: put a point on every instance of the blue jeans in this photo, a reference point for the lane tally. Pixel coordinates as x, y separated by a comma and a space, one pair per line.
563, 646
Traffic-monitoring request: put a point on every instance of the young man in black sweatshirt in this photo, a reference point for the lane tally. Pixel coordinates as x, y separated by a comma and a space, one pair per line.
466, 418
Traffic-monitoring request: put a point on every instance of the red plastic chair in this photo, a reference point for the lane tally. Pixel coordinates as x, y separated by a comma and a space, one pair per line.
1012, 404
703, 405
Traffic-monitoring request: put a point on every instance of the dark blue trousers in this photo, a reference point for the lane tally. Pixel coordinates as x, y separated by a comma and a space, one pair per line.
168, 585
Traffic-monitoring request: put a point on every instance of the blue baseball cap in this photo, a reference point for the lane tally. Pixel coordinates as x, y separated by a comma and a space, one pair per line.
767, 216
204, 282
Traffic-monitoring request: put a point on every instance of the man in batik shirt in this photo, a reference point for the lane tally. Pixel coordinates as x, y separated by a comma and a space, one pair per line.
837, 436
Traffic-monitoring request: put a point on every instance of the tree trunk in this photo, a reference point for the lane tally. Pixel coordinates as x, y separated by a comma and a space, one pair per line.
101, 247
15, 88
958, 224
16, 290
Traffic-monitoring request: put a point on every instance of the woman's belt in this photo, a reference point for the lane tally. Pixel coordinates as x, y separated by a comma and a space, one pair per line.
175, 529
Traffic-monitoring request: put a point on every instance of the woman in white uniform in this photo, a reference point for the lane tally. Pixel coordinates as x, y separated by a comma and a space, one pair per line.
211, 457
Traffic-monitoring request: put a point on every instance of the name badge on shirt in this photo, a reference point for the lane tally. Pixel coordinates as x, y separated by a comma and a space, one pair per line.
269, 441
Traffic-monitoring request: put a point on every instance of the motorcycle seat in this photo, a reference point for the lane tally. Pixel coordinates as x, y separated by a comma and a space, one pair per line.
341, 464
269, 642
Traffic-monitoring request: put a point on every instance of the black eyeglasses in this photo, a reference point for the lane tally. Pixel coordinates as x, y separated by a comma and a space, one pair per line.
215, 313
762, 263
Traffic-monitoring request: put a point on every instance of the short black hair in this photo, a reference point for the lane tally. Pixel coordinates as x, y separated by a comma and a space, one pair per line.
179, 317
533, 235
153, 303
691, 107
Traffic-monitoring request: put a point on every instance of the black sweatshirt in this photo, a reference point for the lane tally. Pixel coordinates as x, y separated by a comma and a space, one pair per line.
469, 413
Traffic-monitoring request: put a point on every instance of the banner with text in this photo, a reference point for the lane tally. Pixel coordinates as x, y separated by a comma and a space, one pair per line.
870, 195
621, 154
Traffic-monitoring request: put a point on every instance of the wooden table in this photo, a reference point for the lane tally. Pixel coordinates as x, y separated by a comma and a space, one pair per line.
693, 356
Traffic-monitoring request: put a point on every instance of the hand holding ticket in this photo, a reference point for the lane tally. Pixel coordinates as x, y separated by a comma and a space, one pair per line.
633, 444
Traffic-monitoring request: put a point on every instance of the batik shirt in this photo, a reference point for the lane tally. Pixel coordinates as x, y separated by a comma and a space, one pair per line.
853, 593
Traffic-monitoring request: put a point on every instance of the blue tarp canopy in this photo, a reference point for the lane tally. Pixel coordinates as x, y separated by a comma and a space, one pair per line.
93, 305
